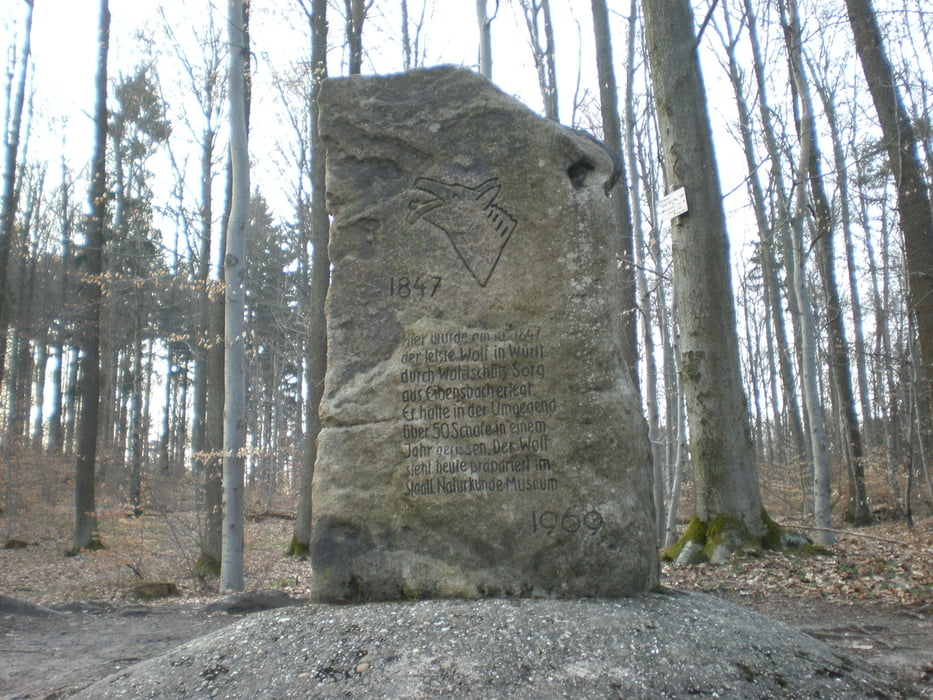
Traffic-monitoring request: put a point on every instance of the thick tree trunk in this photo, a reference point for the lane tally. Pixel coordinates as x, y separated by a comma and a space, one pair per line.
725, 476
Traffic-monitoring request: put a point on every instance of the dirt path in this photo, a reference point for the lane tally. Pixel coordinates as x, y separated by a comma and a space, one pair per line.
55, 655
45, 656
895, 639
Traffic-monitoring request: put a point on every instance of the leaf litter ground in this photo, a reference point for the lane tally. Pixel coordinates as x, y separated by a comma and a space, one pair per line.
872, 597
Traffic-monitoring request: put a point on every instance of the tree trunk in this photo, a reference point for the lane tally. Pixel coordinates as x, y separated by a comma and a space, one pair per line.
857, 507
231, 565
622, 240
320, 277
90, 294
485, 39
135, 425
356, 16
725, 475
200, 342
543, 57
916, 217
211, 543
767, 260
8, 202
821, 469
56, 437
845, 205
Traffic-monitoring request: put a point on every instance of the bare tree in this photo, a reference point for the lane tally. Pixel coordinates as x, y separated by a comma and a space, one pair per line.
16, 99
726, 492
231, 564
857, 508
485, 37
90, 293
320, 277
612, 134
538, 18
356, 11
913, 197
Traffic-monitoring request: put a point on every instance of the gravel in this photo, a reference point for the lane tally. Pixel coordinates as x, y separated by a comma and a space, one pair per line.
660, 645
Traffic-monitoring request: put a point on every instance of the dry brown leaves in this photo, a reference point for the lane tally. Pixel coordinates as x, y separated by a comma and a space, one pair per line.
887, 563
155, 547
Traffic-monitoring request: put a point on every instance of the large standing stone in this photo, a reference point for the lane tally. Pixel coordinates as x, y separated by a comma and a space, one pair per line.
481, 435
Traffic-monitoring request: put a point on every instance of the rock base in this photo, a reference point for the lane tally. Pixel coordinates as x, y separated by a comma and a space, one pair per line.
652, 646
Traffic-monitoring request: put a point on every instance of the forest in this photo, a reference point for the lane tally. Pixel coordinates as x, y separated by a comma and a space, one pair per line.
140, 373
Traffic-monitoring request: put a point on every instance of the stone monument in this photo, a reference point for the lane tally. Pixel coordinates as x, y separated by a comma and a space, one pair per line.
481, 435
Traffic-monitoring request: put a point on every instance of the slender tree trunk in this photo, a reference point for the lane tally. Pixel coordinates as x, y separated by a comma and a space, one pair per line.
8, 202
845, 207
212, 472
231, 565
821, 468
622, 240
90, 292
543, 56
857, 507
769, 266
680, 456
913, 197
356, 16
316, 365
485, 39
200, 341
782, 239
56, 437
135, 426
725, 474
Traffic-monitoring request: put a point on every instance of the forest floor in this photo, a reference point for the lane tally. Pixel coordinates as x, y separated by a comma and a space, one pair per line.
871, 598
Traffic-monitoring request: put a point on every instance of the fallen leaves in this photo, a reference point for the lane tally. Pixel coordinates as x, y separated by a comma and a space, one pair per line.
893, 565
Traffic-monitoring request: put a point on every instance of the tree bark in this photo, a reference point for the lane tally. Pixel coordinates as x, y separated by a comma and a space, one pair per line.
485, 39
766, 233
857, 507
234, 461
623, 239
807, 133
916, 216
8, 202
725, 475
356, 16
320, 277
90, 294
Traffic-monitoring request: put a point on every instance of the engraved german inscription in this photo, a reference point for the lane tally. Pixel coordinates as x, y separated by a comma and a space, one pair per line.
474, 415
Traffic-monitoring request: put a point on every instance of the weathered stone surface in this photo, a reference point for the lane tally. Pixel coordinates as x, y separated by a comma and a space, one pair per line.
644, 647
481, 436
